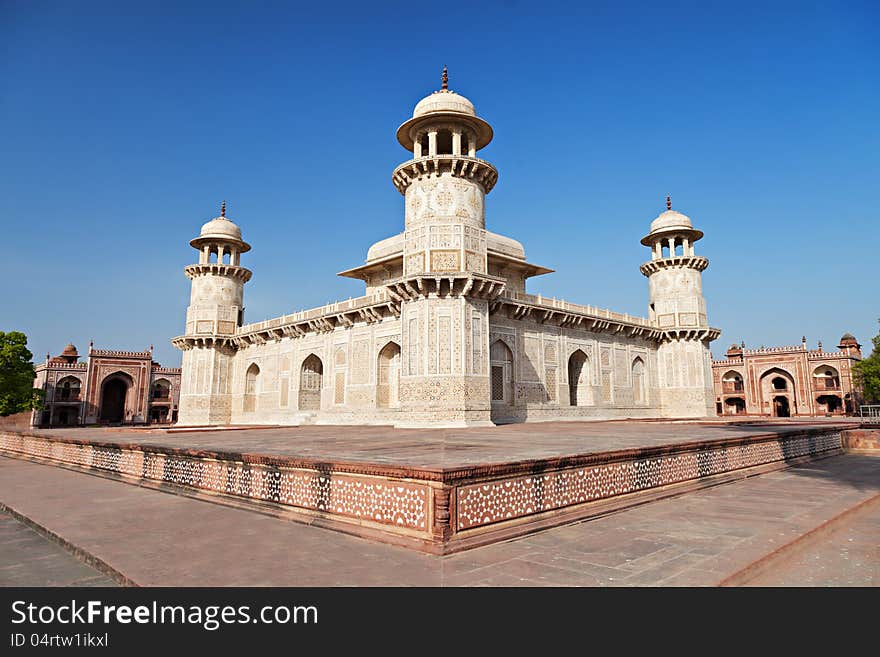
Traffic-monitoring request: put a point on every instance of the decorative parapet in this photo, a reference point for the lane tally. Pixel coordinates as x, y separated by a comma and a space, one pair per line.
774, 350
567, 314
62, 366
166, 370
818, 354
690, 262
812, 354
732, 362
460, 166
369, 309
113, 353
241, 273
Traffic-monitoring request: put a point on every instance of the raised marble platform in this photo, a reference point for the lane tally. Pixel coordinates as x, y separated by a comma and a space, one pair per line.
438, 491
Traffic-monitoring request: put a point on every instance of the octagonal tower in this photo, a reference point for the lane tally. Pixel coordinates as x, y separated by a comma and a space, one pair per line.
215, 311
677, 308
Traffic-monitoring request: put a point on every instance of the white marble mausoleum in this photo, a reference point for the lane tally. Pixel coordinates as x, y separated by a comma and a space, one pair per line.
446, 334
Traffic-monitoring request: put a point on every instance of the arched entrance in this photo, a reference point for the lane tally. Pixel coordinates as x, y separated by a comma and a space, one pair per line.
734, 406
388, 381
114, 391
310, 384
578, 379
778, 392
64, 416
781, 407
829, 404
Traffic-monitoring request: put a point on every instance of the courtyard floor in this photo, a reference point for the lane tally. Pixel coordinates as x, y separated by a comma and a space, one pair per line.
444, 448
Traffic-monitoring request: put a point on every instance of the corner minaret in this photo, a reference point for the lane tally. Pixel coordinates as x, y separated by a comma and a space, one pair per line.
444, 183
215, 311
678, 309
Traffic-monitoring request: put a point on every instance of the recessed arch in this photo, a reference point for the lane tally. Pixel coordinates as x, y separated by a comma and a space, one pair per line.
161, 390
826, 377
68, 389
311, 381
251, 387
640, 390
501, 372
580, 391
732, 381
388, 376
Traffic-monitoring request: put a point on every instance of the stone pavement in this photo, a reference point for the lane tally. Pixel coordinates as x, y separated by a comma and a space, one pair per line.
29, 559
700, 538
847, 555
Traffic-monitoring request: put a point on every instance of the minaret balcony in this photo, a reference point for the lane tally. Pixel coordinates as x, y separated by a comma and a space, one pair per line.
224, 344
460, 166
684, 262
218, 268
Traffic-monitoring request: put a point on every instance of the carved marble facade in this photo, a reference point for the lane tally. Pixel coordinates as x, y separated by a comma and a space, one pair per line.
446, 334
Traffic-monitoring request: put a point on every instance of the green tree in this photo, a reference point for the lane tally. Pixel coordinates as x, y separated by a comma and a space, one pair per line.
867, 373
17, 375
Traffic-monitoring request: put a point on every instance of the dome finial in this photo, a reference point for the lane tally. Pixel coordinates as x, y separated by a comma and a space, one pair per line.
668, 202
445, 79
223, 209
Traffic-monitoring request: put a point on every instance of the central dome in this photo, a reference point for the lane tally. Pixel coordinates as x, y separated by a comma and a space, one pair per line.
444, 101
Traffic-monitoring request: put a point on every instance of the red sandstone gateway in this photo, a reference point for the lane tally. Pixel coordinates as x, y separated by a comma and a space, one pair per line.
111, 387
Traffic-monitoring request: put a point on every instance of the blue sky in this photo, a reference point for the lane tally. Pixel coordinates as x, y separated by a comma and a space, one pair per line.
123, 126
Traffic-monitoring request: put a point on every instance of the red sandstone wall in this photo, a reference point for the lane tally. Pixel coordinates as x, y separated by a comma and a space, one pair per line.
17, 422
861, 438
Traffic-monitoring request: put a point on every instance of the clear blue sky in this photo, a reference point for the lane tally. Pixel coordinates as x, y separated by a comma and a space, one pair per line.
123, 126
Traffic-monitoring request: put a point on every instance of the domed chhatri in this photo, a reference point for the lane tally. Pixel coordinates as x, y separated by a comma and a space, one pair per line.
221, 229
70, 350
671, 221
848, 342
439, 105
